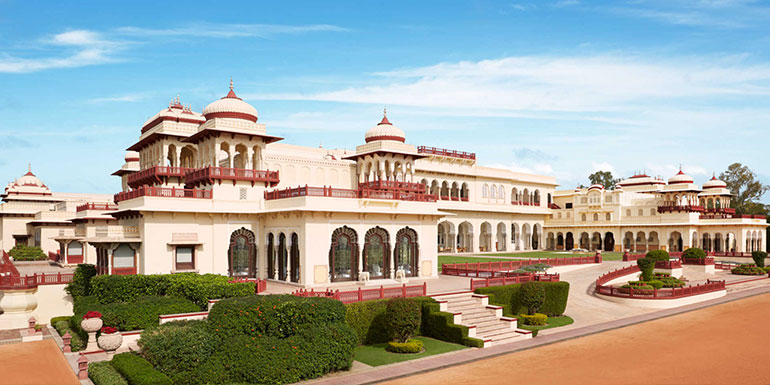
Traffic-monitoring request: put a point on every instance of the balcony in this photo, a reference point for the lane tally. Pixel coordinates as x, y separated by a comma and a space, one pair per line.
392, 185
165, 192
97, 206
117, 231
523, 203
347, 193
207, 175
155, 175
687, 209
445, 152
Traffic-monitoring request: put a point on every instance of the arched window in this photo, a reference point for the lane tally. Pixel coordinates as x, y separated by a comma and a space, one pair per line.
294, 258
485, 191
596, 217
652, 212
124, 258
501, 193
568, 214
377, 253
583, 217
608, 217
75, 249
242, 255
343, 255
407, 252
559, 215
493, 191
641, 213
628, 212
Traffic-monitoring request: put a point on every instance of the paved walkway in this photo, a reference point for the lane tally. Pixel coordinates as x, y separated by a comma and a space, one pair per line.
35, 363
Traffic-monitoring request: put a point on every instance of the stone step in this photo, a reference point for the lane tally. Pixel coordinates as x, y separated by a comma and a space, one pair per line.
452, 297
464, 302
464, 307
489, 322
506, 339
492, 328
498, 333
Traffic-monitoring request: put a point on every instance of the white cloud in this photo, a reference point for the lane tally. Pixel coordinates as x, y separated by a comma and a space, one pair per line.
667, 170
602, 166
90, 48
228, 30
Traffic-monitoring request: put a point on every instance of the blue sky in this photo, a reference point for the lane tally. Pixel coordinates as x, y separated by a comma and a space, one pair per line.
555, 87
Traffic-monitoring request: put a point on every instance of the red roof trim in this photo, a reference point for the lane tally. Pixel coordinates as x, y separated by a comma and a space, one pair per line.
231, 95
159, 119
681, 181
384, 121
642, 183
640, 176
232, 115
385, 137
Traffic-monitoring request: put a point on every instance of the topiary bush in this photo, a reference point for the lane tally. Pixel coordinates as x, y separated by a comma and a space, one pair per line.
748, 269
81, 280
759, 257
142, 313
402, 318
694, 253
532, 296
556, 296
137, 371
657, 255
647, 266
177, 348
367, 318
411, 346
103, 373
27, 253
537, 319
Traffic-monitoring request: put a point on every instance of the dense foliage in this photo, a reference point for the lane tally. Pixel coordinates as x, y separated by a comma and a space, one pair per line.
440, 325
556, 295
532, 296
410, 346
693, 253
103, 373
62, 326
402, 318
748, 269
137, 371
537, 319
178, 348
27, 253
141, 313
759, 257
656, 284
81, 280
657, 255
367, 318
647, 266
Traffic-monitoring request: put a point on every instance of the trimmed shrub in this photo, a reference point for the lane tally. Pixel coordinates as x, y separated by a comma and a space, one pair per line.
532, 296
658, 275
142, 313
103, 373
656, 284
272, 315
137, 371
759, 257
637, 289
81, 280
27, 253
402, 318
670, 282
537, 319
411, 346
367, 318
657, 255
748, 270
694, 252
177, 348
647, 266
62, 326
440, 325
556, 296
195, 287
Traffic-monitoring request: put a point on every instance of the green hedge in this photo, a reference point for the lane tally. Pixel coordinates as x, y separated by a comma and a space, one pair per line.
103, 373
403, 318
411, 346
759, 257
27, 253
440, 325
367, 318
694, 252
81, 280
178, 348
556, 296
137, 371
748, 270
658, 255
537, 319
141, 313
62, 326
272, 315
195, 287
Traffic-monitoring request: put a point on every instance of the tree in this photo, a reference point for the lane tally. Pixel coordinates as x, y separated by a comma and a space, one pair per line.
403, 316
746, 189
603, 178
532, 296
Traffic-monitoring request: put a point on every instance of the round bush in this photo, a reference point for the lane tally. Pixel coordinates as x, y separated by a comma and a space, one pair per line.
532, 295
537, 319
759, 257
657, 255
694, 253
647, 266
411, 346
403, 317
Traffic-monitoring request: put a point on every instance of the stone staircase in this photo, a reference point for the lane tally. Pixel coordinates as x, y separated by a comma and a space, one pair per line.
484, 321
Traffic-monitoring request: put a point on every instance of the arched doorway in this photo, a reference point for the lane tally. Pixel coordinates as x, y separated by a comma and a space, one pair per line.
609, 241
628, 241
559, 241
596, 241
343, 255
446, 237
242, 254
282, 257
569, 242
465, 237
485, 238
294, 258
407, 251
536, 233
377, 253
514, 236
501, 237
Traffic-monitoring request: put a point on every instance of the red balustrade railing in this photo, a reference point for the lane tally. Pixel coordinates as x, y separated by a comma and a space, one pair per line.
726, 265
347, 193
97, 206
11, 282
523, 203
445, 152
167, 192
686, 208
698, 261
494, 269
367, 294
392, 185
6, 266
209, 174
666, 293
53, 256
510, 279
153, 175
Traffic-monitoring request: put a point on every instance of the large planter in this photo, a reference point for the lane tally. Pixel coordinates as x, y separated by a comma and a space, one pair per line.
110, 342
91, 325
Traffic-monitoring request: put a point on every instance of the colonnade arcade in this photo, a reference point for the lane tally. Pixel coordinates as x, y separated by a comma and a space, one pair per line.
461, 238
386, 167
234, 153
381, 256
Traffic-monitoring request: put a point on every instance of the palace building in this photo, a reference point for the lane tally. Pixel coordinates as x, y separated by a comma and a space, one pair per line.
214, 192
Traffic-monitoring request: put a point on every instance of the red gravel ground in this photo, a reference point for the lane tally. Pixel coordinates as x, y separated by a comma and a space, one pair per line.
35, 363
723, 344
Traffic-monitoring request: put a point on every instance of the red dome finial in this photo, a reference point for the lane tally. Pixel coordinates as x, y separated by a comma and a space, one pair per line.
384, 116
231, 94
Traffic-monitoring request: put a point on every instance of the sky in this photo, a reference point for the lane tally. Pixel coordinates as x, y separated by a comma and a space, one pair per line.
561, 88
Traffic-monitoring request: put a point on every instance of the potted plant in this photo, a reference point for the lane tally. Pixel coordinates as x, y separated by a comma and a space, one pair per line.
110, 340
91, 323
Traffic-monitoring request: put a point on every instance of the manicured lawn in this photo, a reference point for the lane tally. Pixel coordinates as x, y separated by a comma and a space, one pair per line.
553, 322
376, 355
606, 256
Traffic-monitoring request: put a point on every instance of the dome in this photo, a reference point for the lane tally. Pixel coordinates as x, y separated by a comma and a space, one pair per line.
714, 183
28, 184
680, 177
596, 186
131, 156
231, 106
384, 130
641, 180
